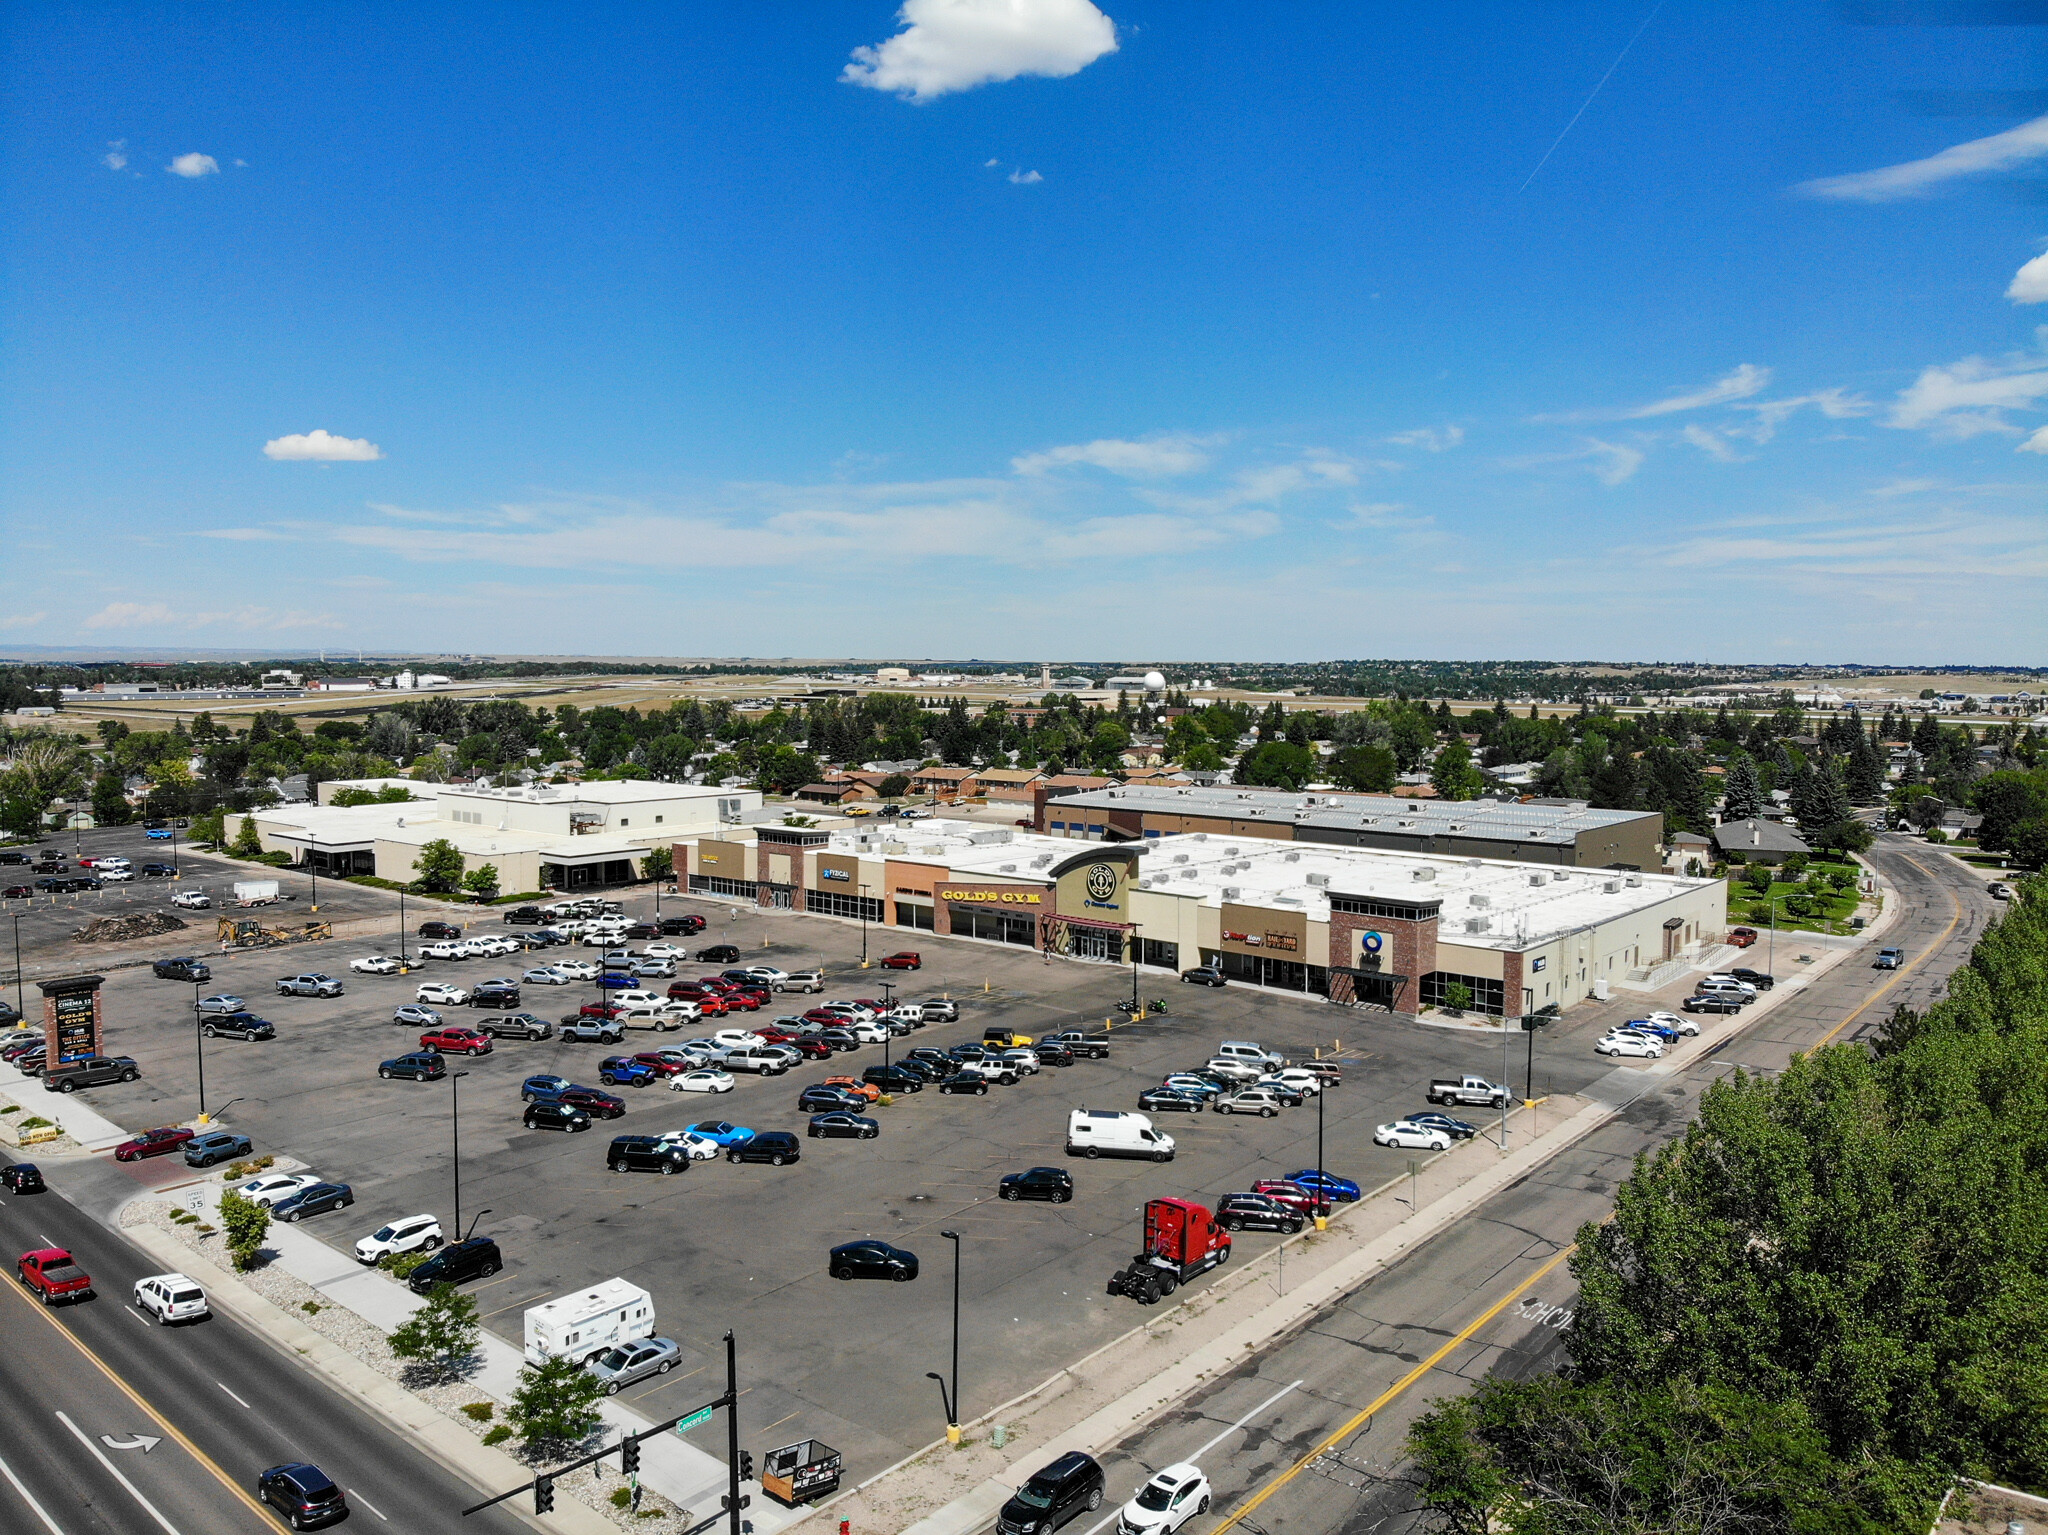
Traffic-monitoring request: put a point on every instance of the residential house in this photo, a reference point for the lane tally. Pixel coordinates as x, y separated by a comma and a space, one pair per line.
949, 783
1757, 841
1010, 785
837, 791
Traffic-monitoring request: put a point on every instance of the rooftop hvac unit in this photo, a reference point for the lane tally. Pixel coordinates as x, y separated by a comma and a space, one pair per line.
1558, 876
1288, 900
1612, 887
1470, 863
1425, 872
1180, 857
1479, 924
1481, 902
1536, 879
1232, 852
1230, 892
1041, 860
1320, 880
1293, 858
1404, 823
1006, 868
1144, 884
1634, 881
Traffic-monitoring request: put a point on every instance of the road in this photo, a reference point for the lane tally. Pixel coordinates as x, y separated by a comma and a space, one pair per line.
1325, 1409
224, 1402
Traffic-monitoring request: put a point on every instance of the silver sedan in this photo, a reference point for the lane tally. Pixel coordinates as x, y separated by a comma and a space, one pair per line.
620, 1367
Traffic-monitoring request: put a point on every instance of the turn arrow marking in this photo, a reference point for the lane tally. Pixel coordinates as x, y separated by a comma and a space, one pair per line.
142, 1442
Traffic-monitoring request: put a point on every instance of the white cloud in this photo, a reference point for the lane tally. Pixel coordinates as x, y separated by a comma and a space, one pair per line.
22, 620
955, 45
1969, 397
245, 535
1024, 178
2001, 151
990, 164
1435, 438
1745, 381
1612, 463
116, 157
140, 615
2030, 282
1835, 404
2038, 443
1153, 458
319, 445
193, 166
1712, 444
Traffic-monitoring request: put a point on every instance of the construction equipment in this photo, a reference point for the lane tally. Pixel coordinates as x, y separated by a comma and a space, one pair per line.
253, 933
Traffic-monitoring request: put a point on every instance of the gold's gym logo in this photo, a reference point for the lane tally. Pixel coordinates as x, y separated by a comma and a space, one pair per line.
1102, 882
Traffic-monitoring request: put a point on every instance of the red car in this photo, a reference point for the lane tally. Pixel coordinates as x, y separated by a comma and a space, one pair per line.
1741, 937
907, 960
605, 1010
809, 1046
660, 1064
153, 1143
709, 1003
1293, 1195
825, 1017
456, 1041
775, 1034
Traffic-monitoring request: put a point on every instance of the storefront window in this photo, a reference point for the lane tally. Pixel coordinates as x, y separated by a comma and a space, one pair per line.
908, 914
1487, 996
830, 903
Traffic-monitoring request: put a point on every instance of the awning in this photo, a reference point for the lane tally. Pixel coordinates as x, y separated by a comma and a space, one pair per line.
1095, 922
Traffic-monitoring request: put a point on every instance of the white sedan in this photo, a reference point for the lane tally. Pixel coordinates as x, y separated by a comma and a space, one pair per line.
700, 1148
271, 1187
442, 994
1624, 1043
1685, 1023
1406, 1132
703, 1080
547, 975
576, 969
374, 964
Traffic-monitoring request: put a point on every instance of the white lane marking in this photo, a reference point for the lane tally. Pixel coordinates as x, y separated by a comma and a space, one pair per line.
244, 1405
125, 1311
115, 1472
41, 1513
367, 1504
1104, 1523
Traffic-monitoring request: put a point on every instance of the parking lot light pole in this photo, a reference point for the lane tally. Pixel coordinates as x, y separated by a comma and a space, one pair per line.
863, 902
1134, 969
953, 1422
17, 968
1322, 1172
199, 1049
455, 1126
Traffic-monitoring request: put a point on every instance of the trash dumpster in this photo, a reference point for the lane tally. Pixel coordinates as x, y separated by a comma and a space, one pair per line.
800, 1473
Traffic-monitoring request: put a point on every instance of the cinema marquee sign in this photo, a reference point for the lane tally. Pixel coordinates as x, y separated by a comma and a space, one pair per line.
989, 895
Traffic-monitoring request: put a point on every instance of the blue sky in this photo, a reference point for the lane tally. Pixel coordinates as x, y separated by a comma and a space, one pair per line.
1019, 328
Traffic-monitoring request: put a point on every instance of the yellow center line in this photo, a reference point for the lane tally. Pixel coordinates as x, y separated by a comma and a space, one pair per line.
170, 1429
1380, 1402
1900, 974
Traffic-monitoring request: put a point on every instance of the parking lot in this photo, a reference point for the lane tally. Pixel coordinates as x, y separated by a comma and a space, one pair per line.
745, 1246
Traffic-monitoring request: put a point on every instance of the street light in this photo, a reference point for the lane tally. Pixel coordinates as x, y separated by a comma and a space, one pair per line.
862, 901
199, 1049
953, 1405
455, 1124
1134, 968
1322, 1172
18, 1008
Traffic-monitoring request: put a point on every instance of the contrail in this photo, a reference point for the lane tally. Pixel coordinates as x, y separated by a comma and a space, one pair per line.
1611, 68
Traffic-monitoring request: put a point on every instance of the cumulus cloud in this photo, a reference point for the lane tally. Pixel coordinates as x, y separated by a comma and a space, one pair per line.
1968, 398
2030, 282
321, 446
955, 45
1913, 178
1745, 381
1154, 458
194, 166
1024, 178
1435, 438
116, 157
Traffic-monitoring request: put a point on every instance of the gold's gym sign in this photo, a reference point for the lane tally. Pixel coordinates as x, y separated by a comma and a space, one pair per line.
995, 897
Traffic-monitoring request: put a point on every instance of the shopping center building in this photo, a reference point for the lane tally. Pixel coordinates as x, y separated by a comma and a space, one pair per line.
1358, 925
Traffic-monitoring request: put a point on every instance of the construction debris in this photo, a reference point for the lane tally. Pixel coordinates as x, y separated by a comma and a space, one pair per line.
119, 929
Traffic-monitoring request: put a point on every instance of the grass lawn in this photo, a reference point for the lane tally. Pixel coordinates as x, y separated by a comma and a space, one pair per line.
1830, 913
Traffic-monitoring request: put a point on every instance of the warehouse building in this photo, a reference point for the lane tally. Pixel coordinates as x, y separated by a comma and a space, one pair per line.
1564, 832
1357, 925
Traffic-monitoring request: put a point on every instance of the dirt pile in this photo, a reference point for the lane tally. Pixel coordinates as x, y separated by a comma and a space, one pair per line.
118, 929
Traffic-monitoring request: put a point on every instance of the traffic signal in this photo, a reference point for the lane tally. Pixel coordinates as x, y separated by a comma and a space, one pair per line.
629, 1456
746, 1466
543, 1495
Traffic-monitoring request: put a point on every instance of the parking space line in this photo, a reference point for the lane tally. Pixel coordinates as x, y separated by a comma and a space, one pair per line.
29, 1498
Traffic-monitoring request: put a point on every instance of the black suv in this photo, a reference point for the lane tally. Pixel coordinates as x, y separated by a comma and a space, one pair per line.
520, 915
681, 927
305, 1495
1239, 1212
187, 969
555, 1116
517, 1026
420, 1066
646, 1154
1054, 1183
494, 994
774, 1147
1071, 1485
243, 1025
476, 1258
93, 1071
1755, 978
894, 1079
718, 954
440, 930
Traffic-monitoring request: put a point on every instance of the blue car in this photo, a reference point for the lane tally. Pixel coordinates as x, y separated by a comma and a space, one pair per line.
158, 836
722, 1131
535, 1089
1329, 1185
1662, 1031
617, 1070
618, 982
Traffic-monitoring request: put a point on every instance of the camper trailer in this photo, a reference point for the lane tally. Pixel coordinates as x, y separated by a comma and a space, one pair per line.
588, 1322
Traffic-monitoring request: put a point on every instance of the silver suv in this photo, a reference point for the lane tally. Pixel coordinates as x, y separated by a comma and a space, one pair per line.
312, 984
802, 980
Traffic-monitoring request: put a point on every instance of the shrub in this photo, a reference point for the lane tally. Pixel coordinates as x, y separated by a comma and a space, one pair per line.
247, 1224
34, 1122
497, 1435
621, 1496
401, 1265
479, 1412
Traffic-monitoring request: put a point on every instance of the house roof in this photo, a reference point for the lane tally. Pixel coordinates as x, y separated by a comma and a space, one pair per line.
1010, 775
950, 774
1759, 837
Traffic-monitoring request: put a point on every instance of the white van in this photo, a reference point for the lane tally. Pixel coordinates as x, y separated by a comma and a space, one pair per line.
1251, 1053
589, 1322
1116, 1133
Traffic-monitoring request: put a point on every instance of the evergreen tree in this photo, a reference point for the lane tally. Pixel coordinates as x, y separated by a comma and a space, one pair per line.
1615, 785
1866, 771
1744, 791
1828, 801
110, 805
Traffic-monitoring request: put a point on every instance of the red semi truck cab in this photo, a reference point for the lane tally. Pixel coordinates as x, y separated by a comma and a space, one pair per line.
1182, 1240
51, 1273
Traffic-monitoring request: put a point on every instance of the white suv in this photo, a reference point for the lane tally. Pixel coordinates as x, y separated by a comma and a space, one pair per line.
415, 1233
171, 1298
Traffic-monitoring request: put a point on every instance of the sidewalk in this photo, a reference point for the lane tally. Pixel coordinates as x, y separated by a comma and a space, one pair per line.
671, 1466
78, 1118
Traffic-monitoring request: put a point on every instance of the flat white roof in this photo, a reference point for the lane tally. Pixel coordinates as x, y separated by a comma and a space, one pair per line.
337, 827
603, 792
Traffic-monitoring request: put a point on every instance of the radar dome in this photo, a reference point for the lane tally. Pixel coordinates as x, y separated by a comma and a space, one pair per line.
1155, 682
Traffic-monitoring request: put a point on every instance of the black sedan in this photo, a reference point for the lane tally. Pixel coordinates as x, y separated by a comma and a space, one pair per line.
965, 1082
841, 1125
1456, 1129
1053, 1183
872, 1260
820, 1099
1170, 1100
421, 1066
313, 1200
1707, 1002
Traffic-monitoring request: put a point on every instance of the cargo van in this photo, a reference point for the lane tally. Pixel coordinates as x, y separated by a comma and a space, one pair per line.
589, 1322
1116, 1133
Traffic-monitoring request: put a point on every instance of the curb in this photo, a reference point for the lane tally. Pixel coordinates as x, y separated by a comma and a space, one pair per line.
435, 1433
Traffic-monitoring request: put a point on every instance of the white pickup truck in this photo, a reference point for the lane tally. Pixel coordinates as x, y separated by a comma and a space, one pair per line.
1468, 1090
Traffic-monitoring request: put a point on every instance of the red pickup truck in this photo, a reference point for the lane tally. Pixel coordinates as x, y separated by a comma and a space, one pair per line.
51, 1273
